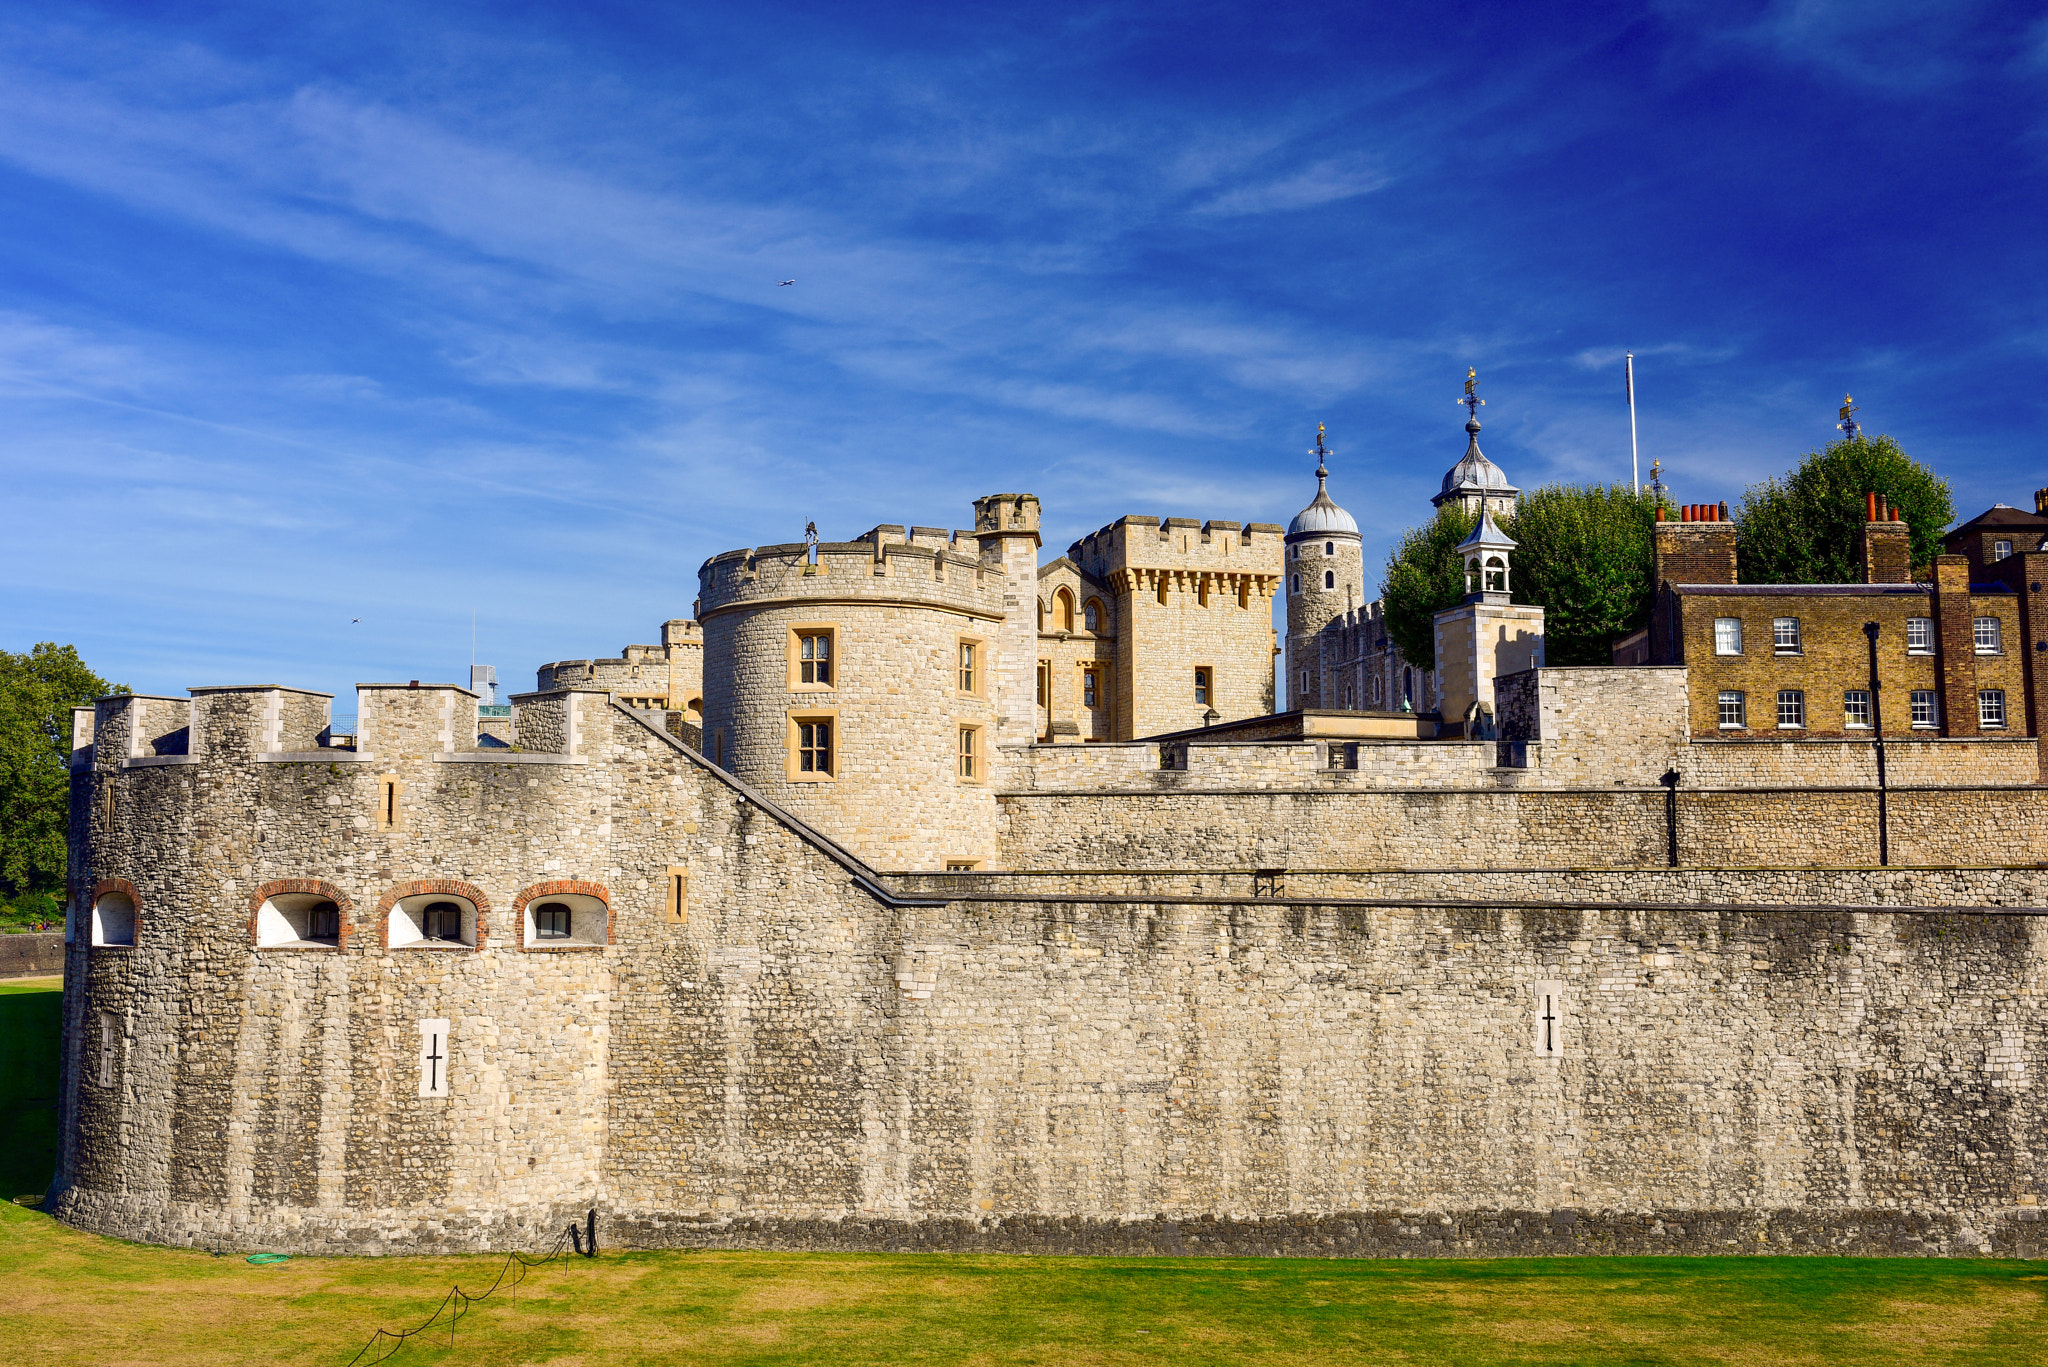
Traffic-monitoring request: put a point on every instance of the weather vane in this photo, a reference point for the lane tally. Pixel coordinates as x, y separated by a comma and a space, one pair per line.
1849, 427
1322, 454
1473, 403
1657, 480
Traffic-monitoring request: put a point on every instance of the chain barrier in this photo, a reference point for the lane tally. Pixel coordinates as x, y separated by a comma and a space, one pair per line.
457, 1302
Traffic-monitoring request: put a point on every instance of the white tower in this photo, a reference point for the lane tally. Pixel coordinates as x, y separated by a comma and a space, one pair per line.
1325, 569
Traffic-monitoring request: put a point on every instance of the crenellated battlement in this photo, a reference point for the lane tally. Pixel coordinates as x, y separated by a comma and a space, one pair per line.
927, 566
1179, 545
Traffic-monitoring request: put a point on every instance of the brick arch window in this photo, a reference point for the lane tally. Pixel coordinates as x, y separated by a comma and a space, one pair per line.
417, 915
299, 913
114, 914
561, 915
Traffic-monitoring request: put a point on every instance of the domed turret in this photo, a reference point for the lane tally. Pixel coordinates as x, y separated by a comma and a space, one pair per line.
1475, 483
1325, 578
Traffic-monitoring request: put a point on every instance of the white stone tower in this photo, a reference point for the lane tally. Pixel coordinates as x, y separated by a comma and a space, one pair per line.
1325, 569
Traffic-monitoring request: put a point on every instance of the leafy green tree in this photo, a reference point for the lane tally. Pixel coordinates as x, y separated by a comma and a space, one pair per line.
1424, 576
1806, 527
1584, 554
37, 692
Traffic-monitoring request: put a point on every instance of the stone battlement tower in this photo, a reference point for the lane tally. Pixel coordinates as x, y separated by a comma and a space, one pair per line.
1325, 580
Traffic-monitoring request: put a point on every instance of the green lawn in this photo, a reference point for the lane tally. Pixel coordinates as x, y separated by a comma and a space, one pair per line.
31, 1026
78, 1298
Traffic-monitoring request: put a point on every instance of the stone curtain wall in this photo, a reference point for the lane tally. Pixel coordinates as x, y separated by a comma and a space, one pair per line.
799, 1063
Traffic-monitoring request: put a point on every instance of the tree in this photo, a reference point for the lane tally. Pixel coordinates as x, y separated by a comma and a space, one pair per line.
1806, 527
37, 692
1425, 576
1583, 553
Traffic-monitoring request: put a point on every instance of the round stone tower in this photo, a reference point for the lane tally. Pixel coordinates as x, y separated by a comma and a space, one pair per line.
855, 685
1325, 579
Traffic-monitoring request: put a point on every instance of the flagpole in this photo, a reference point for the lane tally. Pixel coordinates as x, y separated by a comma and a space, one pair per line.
1635, 467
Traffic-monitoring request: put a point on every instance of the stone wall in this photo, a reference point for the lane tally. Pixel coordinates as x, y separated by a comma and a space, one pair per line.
31, 955
798, 1052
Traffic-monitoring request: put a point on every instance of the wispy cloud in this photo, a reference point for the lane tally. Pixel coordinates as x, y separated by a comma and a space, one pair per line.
1326, 182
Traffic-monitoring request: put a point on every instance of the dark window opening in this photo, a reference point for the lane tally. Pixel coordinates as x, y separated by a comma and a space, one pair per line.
551, 921
442, 921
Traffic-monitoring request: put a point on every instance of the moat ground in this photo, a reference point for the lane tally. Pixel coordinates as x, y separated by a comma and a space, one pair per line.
81, 1298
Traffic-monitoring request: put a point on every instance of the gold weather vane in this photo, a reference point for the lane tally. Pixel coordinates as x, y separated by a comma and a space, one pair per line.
1473, 403
1848, 426
1322, 454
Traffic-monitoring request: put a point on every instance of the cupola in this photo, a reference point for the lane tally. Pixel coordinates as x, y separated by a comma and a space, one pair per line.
1475, 481
1322, 517
1485, 554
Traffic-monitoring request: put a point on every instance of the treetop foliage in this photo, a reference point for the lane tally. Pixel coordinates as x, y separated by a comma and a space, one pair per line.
1805, 527
1424, 576
37, 692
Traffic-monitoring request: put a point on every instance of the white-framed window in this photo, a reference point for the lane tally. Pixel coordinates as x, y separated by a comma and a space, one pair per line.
1990, 707
2000, 549
1727, 635
1785, 635
1984, 635
1329, 579
1856, 707
1733, 709
1791, 707
1919, 635
1925, 713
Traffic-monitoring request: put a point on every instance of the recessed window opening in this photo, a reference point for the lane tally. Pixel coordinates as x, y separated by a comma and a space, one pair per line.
109, 1034
1045, 683
962, 865
1202, 686
1785, 635
1329, 579
432, 921
1732, 708
113, 919
1329, 548
1202, 591
1919, 635
1791, 707
1162, 590
1984, 635
1063, 610
1990, 707
967, 676
1294, 584
1923, 705
561, 919
1727, 635
387, 804
1856, 708
970, 740
1304, 683
1088, 688
298, 919
1091, 615
814, 658
1244, 593
814, 747
1295, 551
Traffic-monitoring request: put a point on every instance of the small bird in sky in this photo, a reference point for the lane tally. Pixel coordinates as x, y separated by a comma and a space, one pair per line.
785, 282
355, 619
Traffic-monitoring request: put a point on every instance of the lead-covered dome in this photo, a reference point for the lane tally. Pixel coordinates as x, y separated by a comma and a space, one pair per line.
1474, 476
1322, 517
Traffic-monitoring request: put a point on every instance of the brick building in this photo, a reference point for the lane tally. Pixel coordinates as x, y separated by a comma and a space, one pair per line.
1960, 651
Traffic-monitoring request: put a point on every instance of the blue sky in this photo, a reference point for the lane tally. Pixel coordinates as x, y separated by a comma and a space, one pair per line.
399, 312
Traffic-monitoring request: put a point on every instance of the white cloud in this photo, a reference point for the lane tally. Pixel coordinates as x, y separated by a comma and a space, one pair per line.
1326, 182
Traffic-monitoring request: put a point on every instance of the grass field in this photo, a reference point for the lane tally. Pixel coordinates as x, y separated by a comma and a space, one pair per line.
31, 1026
77, 1298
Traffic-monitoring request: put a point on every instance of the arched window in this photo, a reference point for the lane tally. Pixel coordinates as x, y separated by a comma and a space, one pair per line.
1063, 610
297, 913
563, 915
1091, 615
1041, 614
1329, 579
113, 919
1496, 574
1329, 548
434, 914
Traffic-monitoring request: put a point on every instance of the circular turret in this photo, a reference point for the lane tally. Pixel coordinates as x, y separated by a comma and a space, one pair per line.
1325, 568
852, 683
